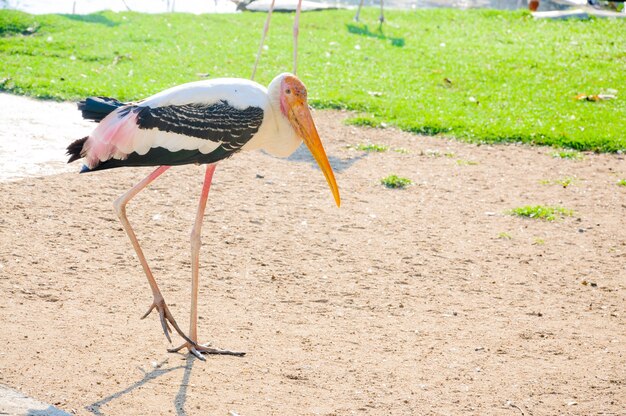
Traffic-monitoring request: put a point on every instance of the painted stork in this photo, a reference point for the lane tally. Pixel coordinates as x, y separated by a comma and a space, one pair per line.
202, 123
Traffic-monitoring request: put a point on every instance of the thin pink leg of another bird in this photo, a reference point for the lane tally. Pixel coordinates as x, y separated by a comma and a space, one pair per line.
296, 31
266, 28
358, 11
382, 17
192, 344
159, 302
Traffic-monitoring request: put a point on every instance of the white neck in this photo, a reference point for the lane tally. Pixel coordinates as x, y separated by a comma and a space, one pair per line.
276, 136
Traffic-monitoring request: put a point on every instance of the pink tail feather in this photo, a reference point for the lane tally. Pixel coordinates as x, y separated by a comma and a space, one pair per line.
112, 138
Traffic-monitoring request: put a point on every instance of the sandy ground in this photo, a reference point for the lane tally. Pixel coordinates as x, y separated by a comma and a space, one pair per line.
401, 302
34, 136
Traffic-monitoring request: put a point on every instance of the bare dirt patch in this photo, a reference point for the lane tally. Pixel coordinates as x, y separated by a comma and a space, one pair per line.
428, 300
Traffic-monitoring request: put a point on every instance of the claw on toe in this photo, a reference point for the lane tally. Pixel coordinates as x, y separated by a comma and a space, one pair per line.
166, 319
198, 350
163, 317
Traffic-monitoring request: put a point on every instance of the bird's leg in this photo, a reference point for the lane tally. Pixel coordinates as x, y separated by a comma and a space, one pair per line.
381, 19
266, 28
358, 11
159, 302
192, 342
296, 31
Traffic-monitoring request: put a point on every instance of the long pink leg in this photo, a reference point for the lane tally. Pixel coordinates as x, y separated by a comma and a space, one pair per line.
266, 28
159, 301
382, 17
296, 31
192, 343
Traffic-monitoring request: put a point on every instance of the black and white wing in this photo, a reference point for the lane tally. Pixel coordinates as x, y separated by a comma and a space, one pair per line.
193, 123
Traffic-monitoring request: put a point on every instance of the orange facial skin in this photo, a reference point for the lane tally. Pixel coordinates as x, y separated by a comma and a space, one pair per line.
294, 105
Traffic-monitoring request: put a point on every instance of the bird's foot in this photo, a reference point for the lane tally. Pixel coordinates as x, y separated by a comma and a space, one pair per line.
166, 319
198, 349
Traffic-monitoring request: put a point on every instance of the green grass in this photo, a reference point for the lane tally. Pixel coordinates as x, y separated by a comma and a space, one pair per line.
437, 153
396, 182
431, 153
505, 236
371, 147
621, 182
541, 212
13, 23
567, 154
477, 75
564, 182
464, 162
401, 150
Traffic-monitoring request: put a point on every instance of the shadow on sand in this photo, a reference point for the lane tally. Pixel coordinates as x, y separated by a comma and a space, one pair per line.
302, 155
179, 400
50, 411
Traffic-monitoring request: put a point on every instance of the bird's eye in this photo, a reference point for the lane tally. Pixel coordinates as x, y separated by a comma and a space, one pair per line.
287, 91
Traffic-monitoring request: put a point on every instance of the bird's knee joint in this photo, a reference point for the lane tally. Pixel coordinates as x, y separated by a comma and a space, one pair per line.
195, 246
195, 238
120, 207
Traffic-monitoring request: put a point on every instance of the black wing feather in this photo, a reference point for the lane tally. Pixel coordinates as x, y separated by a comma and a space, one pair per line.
217, 122
97, 108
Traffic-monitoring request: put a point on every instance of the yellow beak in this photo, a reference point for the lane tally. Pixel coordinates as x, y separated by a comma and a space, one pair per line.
302, 122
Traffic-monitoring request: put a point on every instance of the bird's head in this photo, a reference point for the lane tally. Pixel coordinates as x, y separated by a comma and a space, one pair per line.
292, 98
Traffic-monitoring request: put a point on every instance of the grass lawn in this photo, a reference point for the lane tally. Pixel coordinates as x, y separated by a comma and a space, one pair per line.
477, 75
